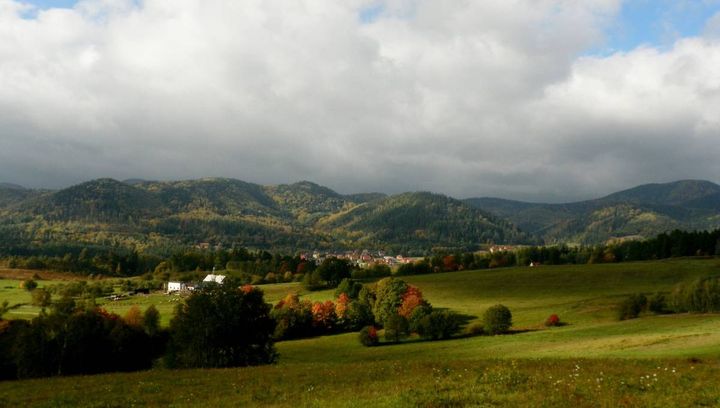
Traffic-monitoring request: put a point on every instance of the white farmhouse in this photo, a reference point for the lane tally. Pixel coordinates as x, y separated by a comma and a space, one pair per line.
175, 287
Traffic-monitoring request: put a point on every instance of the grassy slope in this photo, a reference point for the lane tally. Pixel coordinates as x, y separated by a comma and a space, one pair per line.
11, 291
336, 370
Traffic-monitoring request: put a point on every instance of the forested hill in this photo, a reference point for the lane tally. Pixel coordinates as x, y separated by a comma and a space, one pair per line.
160, 215
304, 215
639, 212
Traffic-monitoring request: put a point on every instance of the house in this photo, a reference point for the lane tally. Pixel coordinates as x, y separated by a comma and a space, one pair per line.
176, 287
214, 278
389, 260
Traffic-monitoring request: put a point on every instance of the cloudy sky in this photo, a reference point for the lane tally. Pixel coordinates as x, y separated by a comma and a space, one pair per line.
544, 100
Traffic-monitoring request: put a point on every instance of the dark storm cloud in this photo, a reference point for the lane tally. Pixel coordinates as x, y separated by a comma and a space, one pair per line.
469, 99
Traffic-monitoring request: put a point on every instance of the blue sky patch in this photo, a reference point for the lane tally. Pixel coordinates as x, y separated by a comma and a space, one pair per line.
658, 23
369, 14
47, 4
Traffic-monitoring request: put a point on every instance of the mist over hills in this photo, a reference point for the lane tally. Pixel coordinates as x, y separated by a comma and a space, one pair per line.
305, 215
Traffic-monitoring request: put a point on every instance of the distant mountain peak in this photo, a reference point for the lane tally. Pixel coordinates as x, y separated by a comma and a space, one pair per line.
136, 181
11, 186
672, 193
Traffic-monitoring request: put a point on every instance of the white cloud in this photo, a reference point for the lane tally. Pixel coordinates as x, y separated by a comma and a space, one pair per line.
466, 98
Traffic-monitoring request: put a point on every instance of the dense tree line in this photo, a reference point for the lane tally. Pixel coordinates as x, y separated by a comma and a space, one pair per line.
265, 267
701, 295
218, 326
78, 339
123, 262
667, 245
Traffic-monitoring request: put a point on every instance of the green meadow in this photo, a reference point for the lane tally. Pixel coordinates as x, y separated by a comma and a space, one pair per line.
593, 360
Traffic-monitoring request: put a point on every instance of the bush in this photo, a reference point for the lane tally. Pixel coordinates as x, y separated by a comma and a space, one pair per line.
29, 285
439, 325
631, 307
497, 319
657, 303
699, 296
417, 315
552, 320
222, 326
476, 329
396, 328
368, 336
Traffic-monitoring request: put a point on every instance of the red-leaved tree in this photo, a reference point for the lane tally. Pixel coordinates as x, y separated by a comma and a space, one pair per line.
324, 317
341, 306
410, 300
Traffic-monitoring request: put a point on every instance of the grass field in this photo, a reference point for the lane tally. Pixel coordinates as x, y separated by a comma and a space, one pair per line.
594, 360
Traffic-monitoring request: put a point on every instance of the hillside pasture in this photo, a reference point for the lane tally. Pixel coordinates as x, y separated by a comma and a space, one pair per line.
593, 360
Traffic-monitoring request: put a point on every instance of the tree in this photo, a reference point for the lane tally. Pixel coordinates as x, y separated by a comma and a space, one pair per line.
324, 317
9, 330
412, 298
293, 317
134, 316
439, 324
4, 308
29, 285
366, 296
334, 270
222, 326
497, 319
85, 341
417, 315
349, 287
396, 328
312, 280
388, 298
41, 297
341, 306
151, 320
358, 315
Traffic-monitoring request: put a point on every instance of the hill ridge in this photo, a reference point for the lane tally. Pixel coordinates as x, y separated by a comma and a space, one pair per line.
644, 210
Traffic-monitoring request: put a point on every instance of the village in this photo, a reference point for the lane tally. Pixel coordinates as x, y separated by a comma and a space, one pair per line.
359, 259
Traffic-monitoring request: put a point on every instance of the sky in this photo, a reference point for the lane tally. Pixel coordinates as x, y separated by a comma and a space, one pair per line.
539, 100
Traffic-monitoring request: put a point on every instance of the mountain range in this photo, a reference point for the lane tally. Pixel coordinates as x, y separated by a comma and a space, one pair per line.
304, 215
639, 212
